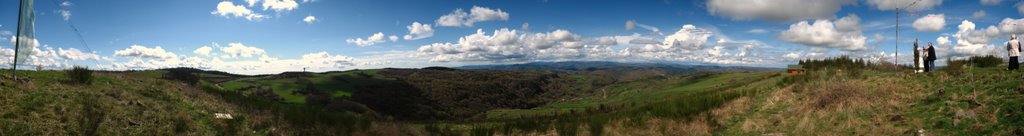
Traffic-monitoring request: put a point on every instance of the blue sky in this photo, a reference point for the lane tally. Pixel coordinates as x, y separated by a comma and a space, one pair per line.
326, 35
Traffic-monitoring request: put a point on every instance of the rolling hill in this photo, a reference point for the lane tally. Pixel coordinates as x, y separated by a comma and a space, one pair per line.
565, 99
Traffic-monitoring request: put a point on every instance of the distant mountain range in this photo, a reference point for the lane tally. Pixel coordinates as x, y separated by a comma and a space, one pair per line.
619, 70
597, 65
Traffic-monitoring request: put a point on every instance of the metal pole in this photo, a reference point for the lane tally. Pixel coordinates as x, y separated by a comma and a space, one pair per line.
17, 39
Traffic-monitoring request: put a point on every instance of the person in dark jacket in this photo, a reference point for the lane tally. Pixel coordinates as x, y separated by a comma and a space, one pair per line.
930, 61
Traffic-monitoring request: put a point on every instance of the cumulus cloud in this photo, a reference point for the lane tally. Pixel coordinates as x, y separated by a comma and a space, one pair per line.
791, 55
605, 41
691, 44
1012, 26
373, 39
778, 10
844, 33
318, 61
507, 45
979, 14
460, 18
44, 56
75, 54
252, 2
419, 31
930, 23
29, 44
280, 5
893, 4
228, 9
326, 60
971, 41
205, 50
393, 38
235, 50
689, 37
309, 19
139, 51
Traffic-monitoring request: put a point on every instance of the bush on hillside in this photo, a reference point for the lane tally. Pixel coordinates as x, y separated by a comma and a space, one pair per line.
183, 75
985, 61
80, 75
841, 62
955, 67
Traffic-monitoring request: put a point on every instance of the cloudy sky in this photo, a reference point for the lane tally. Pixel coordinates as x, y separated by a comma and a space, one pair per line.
271, 36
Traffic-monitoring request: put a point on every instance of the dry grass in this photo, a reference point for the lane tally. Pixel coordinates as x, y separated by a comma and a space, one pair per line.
834, 106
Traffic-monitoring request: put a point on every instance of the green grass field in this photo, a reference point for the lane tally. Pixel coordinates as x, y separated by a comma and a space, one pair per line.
973, 101
322, 81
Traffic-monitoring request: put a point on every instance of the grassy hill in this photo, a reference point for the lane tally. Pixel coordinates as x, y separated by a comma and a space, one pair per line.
861, 100
137, 103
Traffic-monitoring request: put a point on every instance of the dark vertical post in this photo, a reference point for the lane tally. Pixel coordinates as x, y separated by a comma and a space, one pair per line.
17, 38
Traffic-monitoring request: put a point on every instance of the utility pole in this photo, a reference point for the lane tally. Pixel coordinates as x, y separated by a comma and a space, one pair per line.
897, 51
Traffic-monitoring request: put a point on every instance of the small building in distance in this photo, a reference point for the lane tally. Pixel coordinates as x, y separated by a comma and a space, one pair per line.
795, 69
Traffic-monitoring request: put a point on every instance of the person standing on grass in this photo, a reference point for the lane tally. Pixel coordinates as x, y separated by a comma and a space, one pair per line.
1013, 50
930, 61
918, 58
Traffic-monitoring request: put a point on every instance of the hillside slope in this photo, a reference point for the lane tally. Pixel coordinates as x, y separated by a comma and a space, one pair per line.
140, 103
112, 104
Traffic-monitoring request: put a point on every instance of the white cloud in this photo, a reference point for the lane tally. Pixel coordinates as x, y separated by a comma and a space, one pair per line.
34, 43
373, 39
757, 31
777, 10
630, 25
75, 54
43, 55
979, 14
930, 23
66, 4
526, 26
280, 5
419, 31
605, 41
460, 18
791, 55
205, 50
689, 37
845, 33
393, 38
319, 61
893, 4
507, 45
1012, 26
325, 60
991, 2
972, 42
309, 19
252, 2
228, 9
235, 50
139, 51
64, 12
689, 44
